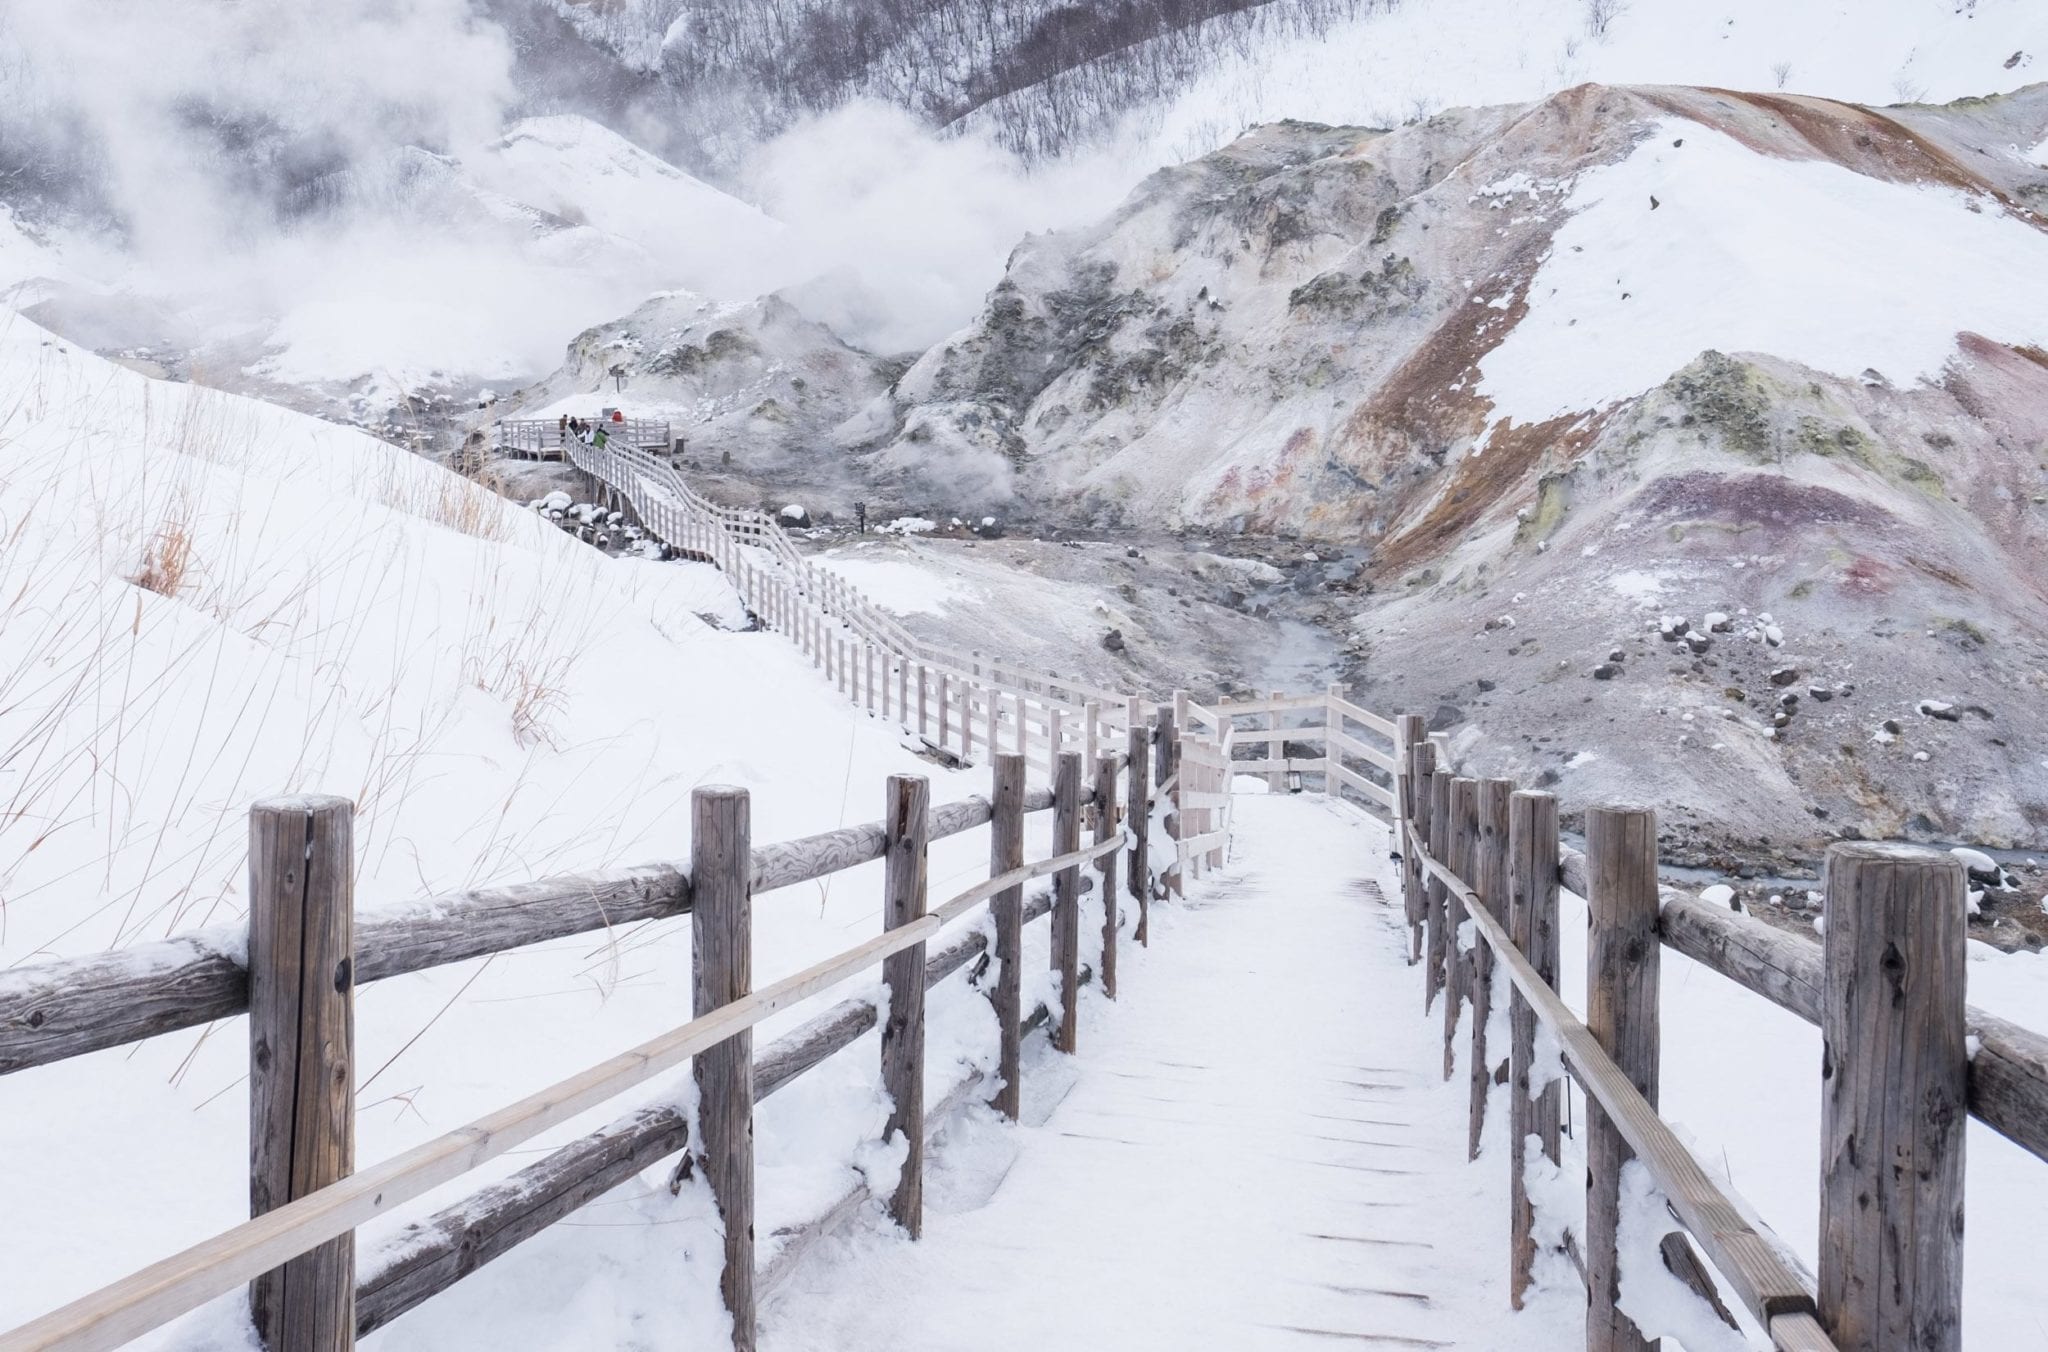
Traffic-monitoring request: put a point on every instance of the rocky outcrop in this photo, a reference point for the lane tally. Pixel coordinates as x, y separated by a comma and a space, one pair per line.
1292, 337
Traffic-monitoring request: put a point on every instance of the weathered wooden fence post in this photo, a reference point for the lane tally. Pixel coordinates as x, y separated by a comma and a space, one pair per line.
1006, 852
1138, 796
1066, 894
302, 1074
1894, 1085
1166, 764
1421, 765
722, 959
1091, 721
1435, 974
1105, 828
906, 827
1623, 956
1463, 845
1491, 882
1532, 924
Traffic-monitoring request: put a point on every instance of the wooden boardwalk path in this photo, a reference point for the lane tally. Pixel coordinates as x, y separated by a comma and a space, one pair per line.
1255, 1150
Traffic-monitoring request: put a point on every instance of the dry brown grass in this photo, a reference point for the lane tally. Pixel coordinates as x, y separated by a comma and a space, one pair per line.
166, 559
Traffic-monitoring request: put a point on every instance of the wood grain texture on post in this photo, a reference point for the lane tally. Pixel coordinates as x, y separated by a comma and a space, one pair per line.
1894, 1083
1463, 843
1423, 766
1532, 924
302, 1088
1622, 963
1490, 851
1436, 957
1408, 735
1138, 796
1006, 852
722, 959
1106, 827
1166, 763
906, 823
1066, 891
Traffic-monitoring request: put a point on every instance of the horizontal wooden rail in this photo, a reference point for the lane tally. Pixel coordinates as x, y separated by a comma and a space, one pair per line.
1342, 744
1283, 704
1342, 708
1307, 765
1315, 732
1768, 1288
55, 1010
1359, 784
2008, 1076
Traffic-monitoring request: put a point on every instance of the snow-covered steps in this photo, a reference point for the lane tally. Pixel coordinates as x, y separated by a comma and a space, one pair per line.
1254, 1150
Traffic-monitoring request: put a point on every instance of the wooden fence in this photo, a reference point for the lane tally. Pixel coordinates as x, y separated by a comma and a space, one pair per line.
1904, 1056
306, 957
296, 970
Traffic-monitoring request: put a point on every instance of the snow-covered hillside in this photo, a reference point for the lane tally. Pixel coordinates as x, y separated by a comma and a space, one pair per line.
210, 600
1406, 60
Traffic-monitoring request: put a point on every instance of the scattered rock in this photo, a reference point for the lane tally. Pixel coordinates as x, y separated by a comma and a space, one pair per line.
1980, 864
1784, 675
1671, 628
1820, 693
1699, 643
1606, 671
1938, 709
1719, 623
1114, 640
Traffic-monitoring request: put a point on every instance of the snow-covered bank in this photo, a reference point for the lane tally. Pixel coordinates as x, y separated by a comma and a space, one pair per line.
1401, 61
1695, 242
209, 600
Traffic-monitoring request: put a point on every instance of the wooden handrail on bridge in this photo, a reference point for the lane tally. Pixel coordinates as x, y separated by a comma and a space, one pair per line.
316, 1224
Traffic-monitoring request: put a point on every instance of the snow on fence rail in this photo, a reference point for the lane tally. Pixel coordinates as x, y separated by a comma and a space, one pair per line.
305, 958
1481, 870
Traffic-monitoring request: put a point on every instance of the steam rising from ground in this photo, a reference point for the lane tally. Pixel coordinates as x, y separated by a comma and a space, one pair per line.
319, 194
906, 231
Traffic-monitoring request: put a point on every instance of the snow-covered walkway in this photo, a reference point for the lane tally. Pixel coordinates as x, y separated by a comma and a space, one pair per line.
1254, 1148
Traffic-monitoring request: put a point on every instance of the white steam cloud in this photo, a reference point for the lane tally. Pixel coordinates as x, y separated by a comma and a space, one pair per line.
328, 194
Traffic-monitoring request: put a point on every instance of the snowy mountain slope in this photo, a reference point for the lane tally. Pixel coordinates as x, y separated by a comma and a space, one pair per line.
582, 172
1494, 345
210, 600
1398, 62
